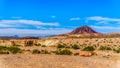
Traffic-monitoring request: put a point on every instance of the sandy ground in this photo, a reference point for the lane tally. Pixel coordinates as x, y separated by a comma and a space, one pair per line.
57, 61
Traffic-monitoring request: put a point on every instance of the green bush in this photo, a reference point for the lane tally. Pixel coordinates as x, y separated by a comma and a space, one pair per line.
7, 50
89, 48
105, 48
75, 46
35, 51
60, 46
3, 48
63, 52
117, 50
43, 45
14, 49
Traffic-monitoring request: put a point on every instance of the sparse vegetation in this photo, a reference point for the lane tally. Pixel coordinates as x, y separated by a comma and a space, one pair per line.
63, 52
88, 48
117, 50
60, 46
43, 45
75, 54
14, 49
3, 50
35, 51
67, 47
105, 48
7, 50
44, 52
38, 44
75, 46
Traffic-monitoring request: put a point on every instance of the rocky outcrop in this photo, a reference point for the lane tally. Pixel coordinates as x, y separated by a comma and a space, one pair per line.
21, 42
83, 30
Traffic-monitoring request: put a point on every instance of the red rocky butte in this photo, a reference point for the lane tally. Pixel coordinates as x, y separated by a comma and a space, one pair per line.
83, 30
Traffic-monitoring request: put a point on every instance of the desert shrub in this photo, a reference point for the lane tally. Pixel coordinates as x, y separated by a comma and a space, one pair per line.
43, 45
88, 48
63, 52
35, 51
7, 50
14, 49
4, 52
60, 46
3, 48
117, 50
75, 46
44, 52
38, 44
75, 54
67, 47
105, 48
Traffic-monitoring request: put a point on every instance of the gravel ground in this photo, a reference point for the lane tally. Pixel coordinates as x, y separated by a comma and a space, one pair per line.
57, 61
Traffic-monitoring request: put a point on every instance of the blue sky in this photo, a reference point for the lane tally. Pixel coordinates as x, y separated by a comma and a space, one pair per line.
36, 17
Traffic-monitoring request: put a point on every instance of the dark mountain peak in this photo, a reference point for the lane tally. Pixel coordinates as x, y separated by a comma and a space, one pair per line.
83, 30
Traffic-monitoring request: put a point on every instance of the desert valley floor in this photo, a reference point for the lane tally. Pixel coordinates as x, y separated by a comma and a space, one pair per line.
55, 61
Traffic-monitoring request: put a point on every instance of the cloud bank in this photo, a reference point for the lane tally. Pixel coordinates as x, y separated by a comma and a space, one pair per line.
18, 23
10, 27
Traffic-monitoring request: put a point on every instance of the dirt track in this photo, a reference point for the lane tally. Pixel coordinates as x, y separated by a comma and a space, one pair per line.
56, 61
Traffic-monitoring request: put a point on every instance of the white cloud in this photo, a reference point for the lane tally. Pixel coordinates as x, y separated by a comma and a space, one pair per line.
75, 19
53, 16
103, 19
10, 27
102, 22
31, 31
106, 27
99, 18
15, 23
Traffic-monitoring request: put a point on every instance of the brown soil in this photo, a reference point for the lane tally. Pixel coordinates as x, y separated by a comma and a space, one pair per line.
57, 61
